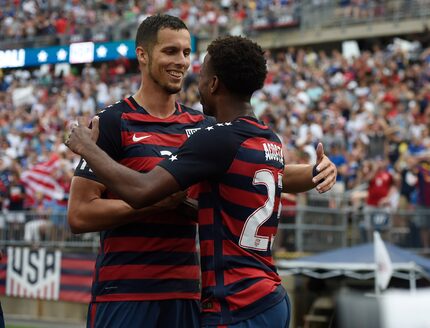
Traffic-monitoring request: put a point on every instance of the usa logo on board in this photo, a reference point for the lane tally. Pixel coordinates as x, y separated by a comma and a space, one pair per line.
33, 273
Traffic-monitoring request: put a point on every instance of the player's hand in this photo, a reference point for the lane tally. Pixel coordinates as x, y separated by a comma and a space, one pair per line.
173, 201
327, 171
95, 128
81, 137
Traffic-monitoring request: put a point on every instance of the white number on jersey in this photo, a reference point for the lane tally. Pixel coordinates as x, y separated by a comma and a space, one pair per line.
249, 237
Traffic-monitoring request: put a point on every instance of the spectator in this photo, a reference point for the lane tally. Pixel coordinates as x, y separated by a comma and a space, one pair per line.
16, 197
381, 199
422, 219
38, 227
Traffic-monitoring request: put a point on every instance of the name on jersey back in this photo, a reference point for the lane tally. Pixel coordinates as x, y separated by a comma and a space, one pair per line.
273, 152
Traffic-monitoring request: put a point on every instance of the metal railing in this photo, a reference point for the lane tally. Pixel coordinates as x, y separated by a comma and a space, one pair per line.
42, 228
333, 14
313, 227
316, 228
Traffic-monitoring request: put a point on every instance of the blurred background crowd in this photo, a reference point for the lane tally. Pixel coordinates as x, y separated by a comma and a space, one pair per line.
23, 20
51, 21
371, 109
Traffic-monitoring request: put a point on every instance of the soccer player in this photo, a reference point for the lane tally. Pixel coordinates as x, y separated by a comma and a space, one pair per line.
240, 164
147, 272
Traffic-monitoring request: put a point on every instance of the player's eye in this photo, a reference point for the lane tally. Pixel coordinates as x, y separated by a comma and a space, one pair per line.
170, 51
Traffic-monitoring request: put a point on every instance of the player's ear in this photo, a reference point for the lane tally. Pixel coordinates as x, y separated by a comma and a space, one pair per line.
214, 84
142, 55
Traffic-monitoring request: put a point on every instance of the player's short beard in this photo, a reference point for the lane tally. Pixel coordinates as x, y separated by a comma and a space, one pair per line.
169, 90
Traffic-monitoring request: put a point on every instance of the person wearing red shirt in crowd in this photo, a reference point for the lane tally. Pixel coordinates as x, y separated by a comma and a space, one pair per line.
61, 24
379, 186
379, 198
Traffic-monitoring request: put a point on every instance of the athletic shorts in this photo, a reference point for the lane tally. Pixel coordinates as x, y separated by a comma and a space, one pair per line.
147, 314
278, 316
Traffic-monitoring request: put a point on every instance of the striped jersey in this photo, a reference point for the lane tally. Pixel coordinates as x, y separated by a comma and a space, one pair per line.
153, 259
240, 166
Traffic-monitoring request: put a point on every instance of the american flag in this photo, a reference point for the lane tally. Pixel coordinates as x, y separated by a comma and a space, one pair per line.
41, 179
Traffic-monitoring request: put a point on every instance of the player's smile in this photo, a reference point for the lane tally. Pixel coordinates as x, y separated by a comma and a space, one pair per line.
175, 75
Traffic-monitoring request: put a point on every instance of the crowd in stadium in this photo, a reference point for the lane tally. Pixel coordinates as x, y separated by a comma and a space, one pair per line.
89, 20
94, 20
370, 111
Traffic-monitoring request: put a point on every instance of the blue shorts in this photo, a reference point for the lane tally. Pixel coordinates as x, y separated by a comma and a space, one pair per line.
148, 314
278, 316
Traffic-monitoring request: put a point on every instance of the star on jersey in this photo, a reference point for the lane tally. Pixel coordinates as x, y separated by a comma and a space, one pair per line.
227, 123
61, 55
173, 158
210, 128
101, 51
42, 56
219, 124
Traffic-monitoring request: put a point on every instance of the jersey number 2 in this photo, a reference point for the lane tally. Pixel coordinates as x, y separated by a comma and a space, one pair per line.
249, 237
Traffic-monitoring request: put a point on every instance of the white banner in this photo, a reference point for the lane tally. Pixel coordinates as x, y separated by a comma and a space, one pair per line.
350, 50
23, 96
33, 273
82, 52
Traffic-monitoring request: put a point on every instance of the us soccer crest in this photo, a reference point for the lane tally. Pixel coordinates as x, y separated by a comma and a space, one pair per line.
33, 273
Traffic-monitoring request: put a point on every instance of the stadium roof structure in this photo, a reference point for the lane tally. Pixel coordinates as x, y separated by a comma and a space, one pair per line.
357, 262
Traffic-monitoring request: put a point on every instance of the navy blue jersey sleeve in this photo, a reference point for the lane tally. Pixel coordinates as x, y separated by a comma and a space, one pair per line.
204, 156
109, 140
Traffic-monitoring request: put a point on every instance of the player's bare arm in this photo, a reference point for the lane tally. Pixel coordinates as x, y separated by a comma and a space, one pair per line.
137, 189
89, 212
299, 177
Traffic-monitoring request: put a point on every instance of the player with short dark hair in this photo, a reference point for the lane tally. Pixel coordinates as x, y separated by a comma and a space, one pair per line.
146, 36
242, 69
240, 164
147, 272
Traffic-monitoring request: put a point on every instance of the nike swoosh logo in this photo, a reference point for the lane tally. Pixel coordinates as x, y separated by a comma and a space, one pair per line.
137, 139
